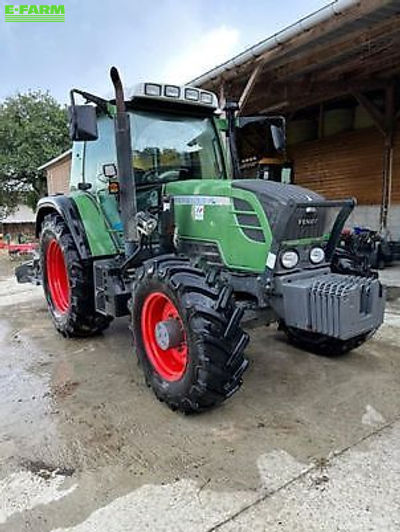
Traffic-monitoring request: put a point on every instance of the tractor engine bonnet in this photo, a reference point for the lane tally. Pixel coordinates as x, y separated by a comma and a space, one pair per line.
241, 224
275, 196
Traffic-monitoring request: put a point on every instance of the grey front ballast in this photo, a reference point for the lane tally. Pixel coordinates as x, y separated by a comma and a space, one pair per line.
340, 306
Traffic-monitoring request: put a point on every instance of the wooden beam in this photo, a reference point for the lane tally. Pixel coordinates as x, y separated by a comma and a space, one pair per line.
390, 106
384, 59
321, 120
389, 122
357, 44
355, 12
375, 113
277, 106
298, 45
249, 87
298, 97
221, 95
306, 92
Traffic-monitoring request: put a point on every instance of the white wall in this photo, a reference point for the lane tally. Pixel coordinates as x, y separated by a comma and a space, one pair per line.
368, 216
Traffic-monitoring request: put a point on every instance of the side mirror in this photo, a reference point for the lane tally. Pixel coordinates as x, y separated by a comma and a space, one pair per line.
276, 124
82, 122
278, 137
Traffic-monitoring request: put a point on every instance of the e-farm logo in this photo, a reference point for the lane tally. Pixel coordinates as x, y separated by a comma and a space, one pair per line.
34, 13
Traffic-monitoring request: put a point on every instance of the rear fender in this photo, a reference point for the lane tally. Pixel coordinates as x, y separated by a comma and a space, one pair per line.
66, 208
85, 221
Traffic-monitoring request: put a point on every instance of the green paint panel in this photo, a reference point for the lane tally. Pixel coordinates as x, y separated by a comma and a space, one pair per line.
307, 241
204, 211
98, 232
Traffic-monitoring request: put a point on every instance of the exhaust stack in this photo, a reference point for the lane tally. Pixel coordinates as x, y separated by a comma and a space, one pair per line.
124, 161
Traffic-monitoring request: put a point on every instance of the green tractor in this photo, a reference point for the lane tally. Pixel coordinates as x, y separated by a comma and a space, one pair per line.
159, 225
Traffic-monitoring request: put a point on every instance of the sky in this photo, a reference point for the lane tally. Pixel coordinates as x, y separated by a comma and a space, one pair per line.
155, 40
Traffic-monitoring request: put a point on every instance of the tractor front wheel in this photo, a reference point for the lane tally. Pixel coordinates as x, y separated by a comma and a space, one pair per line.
67, 282
187, 334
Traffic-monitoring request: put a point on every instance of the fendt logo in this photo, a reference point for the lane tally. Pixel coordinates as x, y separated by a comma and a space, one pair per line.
34, 13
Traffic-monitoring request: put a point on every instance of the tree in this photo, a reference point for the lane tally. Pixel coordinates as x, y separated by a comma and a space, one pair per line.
33, 130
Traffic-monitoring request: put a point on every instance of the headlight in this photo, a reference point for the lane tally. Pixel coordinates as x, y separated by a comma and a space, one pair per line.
206, 97
192, 94
172, 91
289, 259
152, 89
317, 255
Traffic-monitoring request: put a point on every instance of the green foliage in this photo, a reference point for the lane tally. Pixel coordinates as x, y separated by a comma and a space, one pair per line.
33, 129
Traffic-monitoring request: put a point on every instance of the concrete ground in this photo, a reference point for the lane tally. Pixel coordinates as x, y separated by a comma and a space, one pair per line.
308, 443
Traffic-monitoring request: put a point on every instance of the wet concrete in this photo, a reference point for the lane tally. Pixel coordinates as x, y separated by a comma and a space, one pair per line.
80, 432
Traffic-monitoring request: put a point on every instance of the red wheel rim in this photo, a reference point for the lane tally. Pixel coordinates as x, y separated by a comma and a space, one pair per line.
170, 363
57, 277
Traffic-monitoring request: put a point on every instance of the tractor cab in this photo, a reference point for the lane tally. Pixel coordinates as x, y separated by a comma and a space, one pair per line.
171, 144
174, 136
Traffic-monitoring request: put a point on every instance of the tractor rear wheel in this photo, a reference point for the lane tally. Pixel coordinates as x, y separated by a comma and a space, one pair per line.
321, 344
67, 282
187, 334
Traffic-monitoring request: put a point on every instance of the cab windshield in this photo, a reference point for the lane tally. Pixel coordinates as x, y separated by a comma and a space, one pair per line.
168, 147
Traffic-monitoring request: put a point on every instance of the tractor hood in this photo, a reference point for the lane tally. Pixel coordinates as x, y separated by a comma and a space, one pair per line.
246, 224
274, 197
297, 215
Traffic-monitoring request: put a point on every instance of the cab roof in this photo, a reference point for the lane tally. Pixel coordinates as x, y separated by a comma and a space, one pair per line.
173, 94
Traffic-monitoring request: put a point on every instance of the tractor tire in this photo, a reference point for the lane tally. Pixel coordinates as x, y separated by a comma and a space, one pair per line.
68, 282
201, 362
320, 344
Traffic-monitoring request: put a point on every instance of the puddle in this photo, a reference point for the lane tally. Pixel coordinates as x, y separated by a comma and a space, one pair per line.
24, 490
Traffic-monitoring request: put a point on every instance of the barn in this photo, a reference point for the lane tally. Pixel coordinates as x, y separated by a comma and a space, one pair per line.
19, 224
334, 75
57, 173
